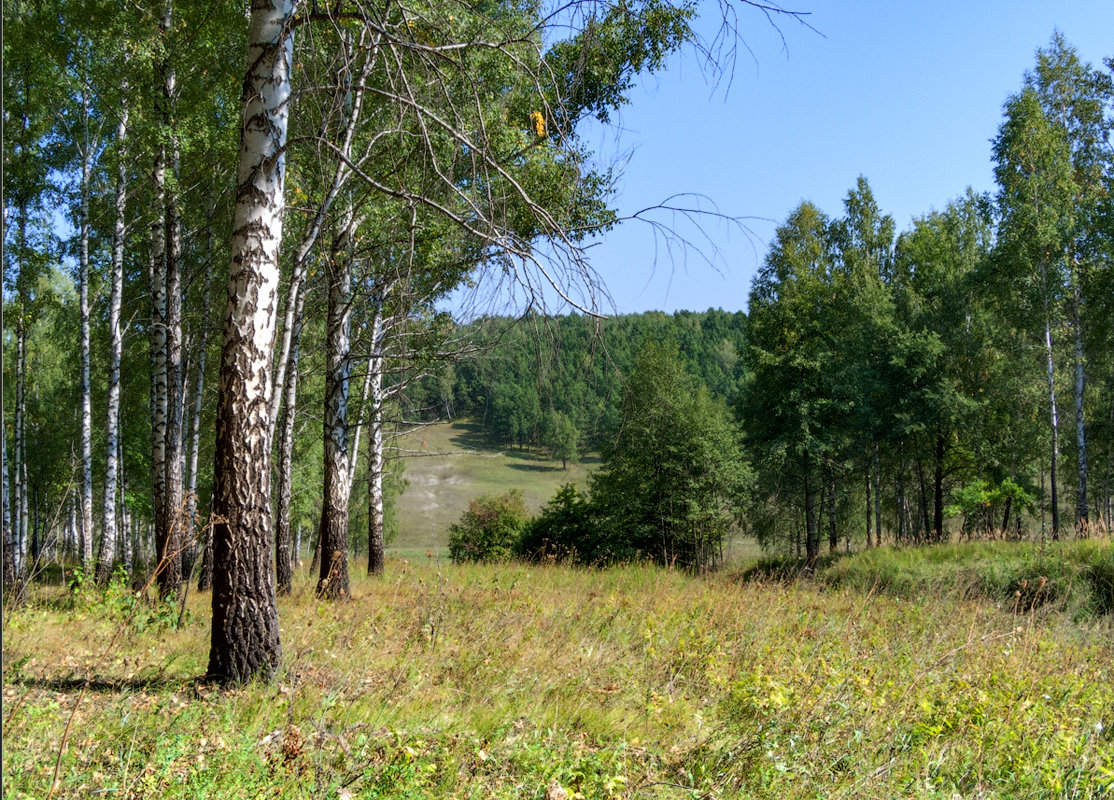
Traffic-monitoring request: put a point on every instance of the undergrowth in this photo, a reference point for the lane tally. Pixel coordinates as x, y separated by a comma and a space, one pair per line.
513, 682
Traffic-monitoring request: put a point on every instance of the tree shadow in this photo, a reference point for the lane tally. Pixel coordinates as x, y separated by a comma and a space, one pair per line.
535, 467
108, 685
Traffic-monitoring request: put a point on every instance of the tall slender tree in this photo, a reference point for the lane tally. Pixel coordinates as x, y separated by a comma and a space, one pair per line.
245, 635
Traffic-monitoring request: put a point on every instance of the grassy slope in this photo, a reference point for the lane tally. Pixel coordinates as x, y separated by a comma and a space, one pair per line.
450, 464
497, 681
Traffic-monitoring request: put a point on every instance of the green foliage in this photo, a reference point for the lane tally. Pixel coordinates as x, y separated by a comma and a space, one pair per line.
566, 529
674, 476
488, 530
981, 504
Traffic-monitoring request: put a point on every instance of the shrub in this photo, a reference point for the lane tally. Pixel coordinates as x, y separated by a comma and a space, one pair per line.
565, 530
488, 530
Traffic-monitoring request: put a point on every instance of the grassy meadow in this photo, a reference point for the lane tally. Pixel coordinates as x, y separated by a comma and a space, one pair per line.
508, 681
450, 463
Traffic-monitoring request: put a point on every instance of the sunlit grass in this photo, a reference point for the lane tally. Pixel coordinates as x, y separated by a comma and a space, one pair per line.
477, 681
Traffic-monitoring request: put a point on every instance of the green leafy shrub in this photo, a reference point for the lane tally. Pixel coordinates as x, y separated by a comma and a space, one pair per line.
488, 530
566, 530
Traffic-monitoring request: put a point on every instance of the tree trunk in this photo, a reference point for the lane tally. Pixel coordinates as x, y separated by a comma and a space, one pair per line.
1054, 422
22, 317
1082, 511
376, 557
341, 175
877, 498
110, 535
199, 394
9, 540
245, 633
938, 491
812, 533
174, 534
86, 387
127, 554
924, 523
333, 578
902, 503
833, 535
868, 506
159, 386
284, 572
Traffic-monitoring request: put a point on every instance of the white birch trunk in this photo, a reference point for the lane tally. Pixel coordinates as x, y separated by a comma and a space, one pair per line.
245, 634
1054, 421
110, 535
199, 391
19, 556
341, 174
1082, 513
172, 535
375, 461
9, 540
86, 388
284, 574
159, 387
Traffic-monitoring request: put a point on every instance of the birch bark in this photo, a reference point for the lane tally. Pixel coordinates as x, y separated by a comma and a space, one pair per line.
245, 635
333, 577
108, 555
284, 573
86, 388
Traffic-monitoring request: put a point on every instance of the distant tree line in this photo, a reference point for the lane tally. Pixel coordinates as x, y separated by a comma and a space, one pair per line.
957, 377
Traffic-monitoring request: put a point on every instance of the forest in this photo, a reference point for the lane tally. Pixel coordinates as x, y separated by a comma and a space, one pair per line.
228, 300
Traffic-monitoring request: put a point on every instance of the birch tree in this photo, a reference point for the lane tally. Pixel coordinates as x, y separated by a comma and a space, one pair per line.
245, 635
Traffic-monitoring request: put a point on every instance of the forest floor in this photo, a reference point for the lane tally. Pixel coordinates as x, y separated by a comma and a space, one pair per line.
513, 681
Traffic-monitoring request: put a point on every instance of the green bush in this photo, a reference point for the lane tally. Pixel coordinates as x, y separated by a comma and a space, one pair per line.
489, 529
565, 530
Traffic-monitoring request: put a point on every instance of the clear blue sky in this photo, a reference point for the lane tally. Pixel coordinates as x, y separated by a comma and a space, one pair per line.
907, 94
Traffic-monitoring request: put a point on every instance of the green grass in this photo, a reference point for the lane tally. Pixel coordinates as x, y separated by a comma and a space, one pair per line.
1017, 576
636, 682
449, 464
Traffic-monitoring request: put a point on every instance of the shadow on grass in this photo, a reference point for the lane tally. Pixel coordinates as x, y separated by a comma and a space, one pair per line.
470, 435
535, 467
100, 684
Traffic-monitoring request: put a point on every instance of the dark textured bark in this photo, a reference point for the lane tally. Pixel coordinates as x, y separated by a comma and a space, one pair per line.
245, 632
333, 578
159, 388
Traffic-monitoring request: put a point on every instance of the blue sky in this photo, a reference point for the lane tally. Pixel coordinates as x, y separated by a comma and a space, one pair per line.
907, 94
